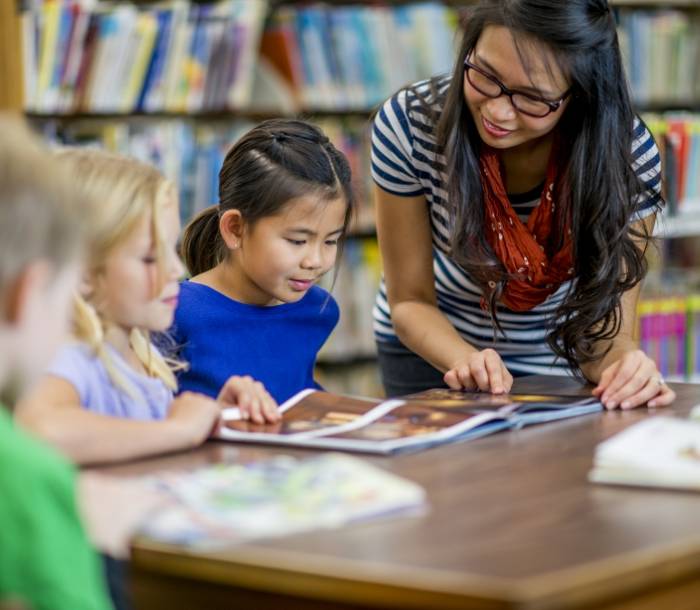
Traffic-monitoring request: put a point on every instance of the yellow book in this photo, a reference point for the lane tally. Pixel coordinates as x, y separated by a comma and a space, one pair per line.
147, 30
51, 15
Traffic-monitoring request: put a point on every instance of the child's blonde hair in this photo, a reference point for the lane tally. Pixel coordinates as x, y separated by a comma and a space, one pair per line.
41, 214
124, 190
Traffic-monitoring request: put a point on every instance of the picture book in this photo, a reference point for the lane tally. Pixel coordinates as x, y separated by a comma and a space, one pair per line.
656, 452
281, 495
324, 420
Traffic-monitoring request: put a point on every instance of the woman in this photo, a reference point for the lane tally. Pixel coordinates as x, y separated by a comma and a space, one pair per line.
515, 201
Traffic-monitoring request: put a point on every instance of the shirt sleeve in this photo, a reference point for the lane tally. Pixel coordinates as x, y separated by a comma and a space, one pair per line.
72, 364
45, 557
392, 149
646, 162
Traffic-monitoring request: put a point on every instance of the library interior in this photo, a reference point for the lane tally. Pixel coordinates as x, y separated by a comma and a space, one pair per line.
351, 497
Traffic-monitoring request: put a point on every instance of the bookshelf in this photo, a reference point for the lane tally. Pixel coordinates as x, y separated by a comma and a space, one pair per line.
340, 103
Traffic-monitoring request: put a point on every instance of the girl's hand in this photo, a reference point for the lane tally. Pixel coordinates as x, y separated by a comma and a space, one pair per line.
251, 398
483, 371
632, 381
194, 416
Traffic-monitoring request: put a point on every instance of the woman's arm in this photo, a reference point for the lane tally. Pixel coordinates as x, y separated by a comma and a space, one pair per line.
54, 414
626, 376
405, 240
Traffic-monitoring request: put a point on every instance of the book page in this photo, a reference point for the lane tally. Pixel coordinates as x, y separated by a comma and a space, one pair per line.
505, 404
415, 422
316, 412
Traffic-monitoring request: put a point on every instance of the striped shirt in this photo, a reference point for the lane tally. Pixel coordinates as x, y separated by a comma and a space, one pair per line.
404, 160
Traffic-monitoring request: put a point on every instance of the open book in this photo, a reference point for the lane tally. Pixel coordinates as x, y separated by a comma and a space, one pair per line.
320, 419
656, 452
223, 504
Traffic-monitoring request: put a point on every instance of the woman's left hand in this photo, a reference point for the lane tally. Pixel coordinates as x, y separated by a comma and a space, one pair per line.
631, 381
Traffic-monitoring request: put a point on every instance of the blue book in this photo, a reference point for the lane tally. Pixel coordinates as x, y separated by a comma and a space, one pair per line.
154, 74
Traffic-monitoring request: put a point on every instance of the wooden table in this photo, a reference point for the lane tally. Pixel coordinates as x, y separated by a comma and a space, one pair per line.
513, 523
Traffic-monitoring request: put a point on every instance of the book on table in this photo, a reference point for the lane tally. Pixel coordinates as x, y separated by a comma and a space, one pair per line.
320, 419
656, 452
223, 504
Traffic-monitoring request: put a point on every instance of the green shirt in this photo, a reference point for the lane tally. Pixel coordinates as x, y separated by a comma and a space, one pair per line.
46, 560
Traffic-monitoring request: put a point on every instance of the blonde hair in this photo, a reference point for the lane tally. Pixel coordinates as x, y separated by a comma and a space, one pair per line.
42, 216
124, 191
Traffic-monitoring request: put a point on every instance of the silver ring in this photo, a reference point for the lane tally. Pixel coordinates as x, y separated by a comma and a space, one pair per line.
659, 380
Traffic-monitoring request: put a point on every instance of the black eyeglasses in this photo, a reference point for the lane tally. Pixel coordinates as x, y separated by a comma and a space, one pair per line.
490, 86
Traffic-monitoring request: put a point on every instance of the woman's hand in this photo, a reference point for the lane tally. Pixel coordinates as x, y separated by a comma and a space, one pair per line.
251, 398
480, 370
631, 381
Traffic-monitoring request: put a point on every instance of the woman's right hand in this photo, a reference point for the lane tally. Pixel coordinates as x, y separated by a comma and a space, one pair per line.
480, 370
194, 416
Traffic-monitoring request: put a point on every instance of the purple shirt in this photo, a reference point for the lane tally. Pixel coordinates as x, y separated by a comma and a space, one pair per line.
78, 365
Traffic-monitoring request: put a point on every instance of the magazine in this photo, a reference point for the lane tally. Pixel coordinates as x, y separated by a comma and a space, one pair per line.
281, 495
656, 452
314, 418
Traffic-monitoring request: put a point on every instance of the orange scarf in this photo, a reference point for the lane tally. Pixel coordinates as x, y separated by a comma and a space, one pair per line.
535, 270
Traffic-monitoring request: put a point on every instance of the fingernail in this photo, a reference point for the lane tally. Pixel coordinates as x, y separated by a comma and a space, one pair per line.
651, 403
625, 404
604, 398
612, 404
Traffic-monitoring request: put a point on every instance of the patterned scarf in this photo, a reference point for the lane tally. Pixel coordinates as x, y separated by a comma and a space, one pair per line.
526, 250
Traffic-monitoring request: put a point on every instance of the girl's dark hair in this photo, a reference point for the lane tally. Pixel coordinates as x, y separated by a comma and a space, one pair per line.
599, 187
275, 162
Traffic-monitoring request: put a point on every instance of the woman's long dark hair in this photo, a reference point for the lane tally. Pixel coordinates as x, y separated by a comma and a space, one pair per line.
601, 187
275, 162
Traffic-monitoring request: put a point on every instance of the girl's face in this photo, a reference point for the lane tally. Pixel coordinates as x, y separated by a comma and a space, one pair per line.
280, 257
499, 124
129, 291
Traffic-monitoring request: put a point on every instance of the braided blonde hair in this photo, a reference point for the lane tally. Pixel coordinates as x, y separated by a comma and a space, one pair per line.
125, 190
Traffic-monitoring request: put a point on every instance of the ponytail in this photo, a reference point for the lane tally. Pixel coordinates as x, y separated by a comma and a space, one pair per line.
202, 247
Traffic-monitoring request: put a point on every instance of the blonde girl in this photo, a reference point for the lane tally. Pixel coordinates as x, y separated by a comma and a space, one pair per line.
110, 394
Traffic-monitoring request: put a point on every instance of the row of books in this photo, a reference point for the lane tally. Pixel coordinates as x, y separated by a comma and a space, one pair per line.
354, 57
82, 55
190, 153
85, 56
661, 50
678, 137
669, 332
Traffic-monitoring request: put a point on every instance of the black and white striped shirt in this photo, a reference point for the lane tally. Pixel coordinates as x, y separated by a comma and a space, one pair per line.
404, 160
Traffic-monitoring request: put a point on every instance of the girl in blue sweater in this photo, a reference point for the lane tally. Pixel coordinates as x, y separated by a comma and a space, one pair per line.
252, 306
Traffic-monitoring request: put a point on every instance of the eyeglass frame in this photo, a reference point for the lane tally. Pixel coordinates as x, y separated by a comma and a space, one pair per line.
553, 105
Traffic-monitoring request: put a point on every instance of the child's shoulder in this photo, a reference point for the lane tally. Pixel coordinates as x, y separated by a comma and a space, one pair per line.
75, 353
318, 299
316, 294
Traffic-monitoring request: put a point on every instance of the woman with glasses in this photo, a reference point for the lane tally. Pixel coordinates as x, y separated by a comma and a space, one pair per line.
516, 199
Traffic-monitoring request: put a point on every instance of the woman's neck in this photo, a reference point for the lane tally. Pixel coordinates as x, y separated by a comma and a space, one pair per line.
525, 166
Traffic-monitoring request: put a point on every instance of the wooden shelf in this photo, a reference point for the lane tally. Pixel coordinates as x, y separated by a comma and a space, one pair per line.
218, 115
668, 106
11, 77
655, 3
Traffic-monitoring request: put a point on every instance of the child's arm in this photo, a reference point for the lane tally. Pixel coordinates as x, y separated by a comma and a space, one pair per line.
251, 398
53, 413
